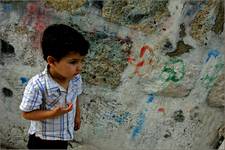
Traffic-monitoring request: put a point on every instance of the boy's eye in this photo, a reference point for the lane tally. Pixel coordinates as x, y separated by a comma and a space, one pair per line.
73, 62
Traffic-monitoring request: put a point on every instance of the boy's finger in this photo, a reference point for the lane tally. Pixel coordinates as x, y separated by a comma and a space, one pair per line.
69, 108
70, 105
76, 127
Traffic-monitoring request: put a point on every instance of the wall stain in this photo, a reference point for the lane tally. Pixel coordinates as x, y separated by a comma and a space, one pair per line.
181, 48
178, 116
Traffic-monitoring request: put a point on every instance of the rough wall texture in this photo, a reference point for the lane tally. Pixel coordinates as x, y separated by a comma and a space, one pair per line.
154, 77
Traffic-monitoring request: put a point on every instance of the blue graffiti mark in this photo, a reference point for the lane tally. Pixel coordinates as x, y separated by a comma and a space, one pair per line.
212, 53
7, 8
150, 98
213, 18
24, 80
140, 123
193, 9
109, 115
122, 118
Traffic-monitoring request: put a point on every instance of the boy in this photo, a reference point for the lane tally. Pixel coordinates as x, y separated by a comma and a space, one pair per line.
50, 98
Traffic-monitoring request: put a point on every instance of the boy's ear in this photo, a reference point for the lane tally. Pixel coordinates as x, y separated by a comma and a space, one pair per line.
51, 60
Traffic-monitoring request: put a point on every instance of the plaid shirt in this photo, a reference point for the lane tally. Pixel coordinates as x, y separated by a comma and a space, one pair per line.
43, 88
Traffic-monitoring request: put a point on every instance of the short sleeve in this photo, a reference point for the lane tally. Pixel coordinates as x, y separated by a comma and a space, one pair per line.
79, 89
32, 97
77, 82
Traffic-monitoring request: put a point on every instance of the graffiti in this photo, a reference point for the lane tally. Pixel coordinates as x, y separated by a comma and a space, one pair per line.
209, 79
7, 8
161, 109
120, 119
192, 9
136, 130
154, 106
173, 70
24, 80
37, 16
4, 11
212, 53
145, 58
139, 126
214, 65
150, 98
32, 11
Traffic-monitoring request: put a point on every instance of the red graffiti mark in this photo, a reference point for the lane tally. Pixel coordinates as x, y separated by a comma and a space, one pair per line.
41, 18
130, 59
143, 50
161, 109
31, 8
39, 26
140, 64
141, 61
37, 16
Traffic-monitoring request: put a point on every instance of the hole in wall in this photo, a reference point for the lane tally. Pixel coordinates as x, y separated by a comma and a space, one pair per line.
7, 92
6, 48
6, 51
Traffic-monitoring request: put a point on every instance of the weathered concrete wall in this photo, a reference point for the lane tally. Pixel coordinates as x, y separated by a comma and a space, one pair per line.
154, 77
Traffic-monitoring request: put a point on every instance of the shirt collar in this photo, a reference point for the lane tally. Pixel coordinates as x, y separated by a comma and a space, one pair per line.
54, 87
51, 85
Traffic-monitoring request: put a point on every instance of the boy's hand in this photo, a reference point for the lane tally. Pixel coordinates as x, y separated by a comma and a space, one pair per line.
59, 110
77, 122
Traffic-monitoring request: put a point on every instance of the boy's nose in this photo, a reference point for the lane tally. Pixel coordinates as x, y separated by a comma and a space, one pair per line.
79, 67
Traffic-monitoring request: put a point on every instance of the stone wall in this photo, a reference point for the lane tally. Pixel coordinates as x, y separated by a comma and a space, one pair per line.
153, 79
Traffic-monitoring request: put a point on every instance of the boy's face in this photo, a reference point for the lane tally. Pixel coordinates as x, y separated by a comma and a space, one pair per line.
69, 66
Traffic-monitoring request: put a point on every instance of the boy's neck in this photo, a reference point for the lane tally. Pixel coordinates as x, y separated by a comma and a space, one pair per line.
58, 78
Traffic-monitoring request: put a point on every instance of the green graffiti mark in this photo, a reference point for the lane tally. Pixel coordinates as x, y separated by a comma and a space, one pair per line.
209, 79
219, 67
173, 70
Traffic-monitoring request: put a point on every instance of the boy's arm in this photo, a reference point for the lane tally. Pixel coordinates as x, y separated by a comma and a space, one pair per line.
77, 120
39, 115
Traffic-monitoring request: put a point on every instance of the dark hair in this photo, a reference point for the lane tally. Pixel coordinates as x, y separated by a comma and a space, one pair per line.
59, 39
